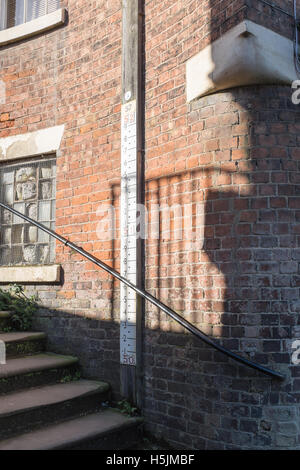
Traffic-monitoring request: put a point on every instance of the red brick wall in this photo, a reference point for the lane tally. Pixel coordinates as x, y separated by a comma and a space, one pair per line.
242, 287
233, 152
71, 76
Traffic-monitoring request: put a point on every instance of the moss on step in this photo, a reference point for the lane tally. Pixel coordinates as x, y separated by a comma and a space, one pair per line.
35, 379
25, 348
71, 377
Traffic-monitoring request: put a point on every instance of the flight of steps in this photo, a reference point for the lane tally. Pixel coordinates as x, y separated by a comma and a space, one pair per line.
43, 408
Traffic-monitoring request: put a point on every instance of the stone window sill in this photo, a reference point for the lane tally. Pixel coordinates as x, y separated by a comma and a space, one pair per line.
30, 274
31, 28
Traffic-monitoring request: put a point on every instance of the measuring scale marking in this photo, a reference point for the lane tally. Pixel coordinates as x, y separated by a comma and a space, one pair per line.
128, 233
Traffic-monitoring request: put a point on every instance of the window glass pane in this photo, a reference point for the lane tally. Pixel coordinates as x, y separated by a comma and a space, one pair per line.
31, 234
2, 15
17, 234
52, 251
43, 252
5, 256
6, 236
20, 208
6, 217
30, 188
46, 171
17, 255
44, 211
15, 12
43, 237
30, 254
31, 211
53, 209
8, 193
35, 8
8, 177
46, 189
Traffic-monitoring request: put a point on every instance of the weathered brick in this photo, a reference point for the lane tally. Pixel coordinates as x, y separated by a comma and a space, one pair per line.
235, 152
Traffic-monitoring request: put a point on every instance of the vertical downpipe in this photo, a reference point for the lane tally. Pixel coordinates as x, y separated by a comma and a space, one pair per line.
132, 196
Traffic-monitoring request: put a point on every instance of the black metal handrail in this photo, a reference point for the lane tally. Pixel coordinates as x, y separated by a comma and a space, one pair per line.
191, 328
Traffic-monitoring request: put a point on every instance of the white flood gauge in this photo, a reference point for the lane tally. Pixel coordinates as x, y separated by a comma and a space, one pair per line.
128, 233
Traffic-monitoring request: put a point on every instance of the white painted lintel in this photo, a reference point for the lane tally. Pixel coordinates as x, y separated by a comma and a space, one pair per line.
41, 142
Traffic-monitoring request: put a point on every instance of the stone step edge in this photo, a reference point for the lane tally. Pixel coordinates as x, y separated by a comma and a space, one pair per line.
61, 431
59, 362
4, 314
100, 388
21, 337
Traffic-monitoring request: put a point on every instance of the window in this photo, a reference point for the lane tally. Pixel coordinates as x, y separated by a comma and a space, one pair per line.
15, 12
30, 188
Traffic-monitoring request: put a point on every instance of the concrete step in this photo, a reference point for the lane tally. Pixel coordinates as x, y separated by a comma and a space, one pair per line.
4, 314
33, 371
4, 319
106, 430
29, 409
23, 343
42, 407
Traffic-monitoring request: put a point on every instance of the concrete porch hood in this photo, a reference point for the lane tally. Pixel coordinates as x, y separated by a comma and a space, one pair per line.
248, 54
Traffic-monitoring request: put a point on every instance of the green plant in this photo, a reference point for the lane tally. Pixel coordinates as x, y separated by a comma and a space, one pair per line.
71, 378
127, 408
22, 308
7, 329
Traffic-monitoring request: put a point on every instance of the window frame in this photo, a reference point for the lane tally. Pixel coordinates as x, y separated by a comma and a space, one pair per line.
32, 28
38, 163
46, 142
3, 14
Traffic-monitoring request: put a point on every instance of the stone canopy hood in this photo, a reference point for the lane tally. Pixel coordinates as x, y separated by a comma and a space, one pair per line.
248, 54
